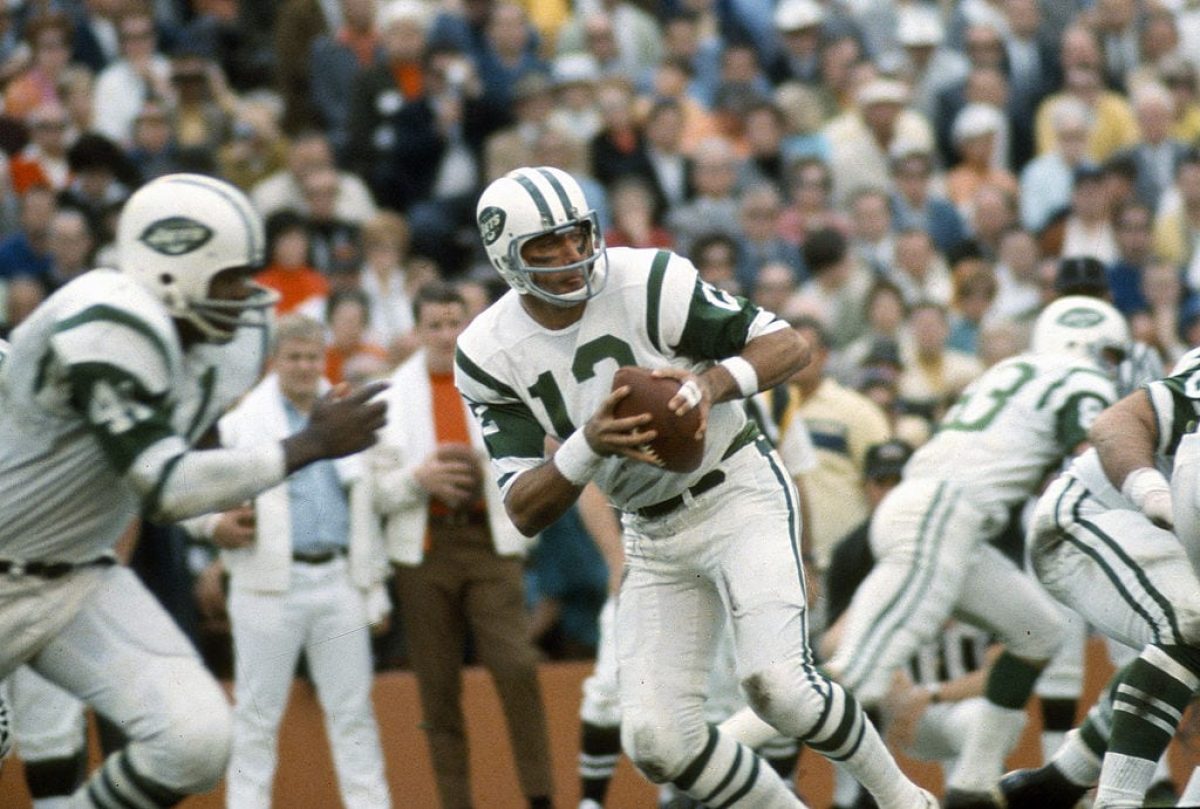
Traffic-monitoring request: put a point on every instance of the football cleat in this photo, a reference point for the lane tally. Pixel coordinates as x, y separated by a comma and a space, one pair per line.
1041, 788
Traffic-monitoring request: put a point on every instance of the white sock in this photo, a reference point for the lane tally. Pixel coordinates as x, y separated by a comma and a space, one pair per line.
1077, 762
988, 743
748, 728
1051, 741
1162, 769
1123, 781
845, 788
52, 803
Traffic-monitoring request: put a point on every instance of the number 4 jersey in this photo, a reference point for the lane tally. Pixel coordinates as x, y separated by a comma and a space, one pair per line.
1013, 426
524, 381
95, 392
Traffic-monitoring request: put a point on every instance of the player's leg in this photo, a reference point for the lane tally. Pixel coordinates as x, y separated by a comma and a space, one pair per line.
1061, 683
338, 650
1075, 767
999, 597
763, 583
268, 633
668, 619
435, 630
495, 608
923, 535
50, 730
1141, 591
123, 655
600, 716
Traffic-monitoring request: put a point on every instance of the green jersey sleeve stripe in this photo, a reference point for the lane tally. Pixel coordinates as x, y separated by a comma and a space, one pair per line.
207, 381
103, 312
125, 419
1050, 391
481, 376
654, 286
151, 502
510, 431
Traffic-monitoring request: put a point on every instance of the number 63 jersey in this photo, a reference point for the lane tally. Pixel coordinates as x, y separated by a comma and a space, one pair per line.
1012, 426
524, 381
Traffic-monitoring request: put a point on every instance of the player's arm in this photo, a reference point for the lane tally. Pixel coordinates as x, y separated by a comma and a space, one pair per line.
541, 495
754, 350
602, 525
1126, 437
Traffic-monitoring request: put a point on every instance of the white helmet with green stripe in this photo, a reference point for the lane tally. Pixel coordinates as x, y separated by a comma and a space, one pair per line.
530, 202
177, 232
1082, 326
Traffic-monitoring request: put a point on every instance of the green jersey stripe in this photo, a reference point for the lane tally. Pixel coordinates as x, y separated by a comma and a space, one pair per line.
481, 376
150, 504
102, 312
1051, 390
658, 269
207, 381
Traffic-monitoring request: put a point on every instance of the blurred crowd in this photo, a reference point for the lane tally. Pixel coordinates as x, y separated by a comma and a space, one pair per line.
904, 176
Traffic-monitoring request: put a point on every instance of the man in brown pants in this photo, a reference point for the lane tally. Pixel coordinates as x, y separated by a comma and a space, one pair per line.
458, 558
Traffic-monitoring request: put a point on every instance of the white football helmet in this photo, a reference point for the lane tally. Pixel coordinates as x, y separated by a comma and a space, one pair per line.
530, 202
177, 232
1085, 327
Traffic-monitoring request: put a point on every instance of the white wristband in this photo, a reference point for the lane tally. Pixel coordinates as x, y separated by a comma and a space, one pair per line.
576, 460
743, 374
1142, 482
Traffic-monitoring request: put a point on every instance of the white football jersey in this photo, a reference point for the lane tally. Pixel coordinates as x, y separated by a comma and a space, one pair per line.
1012, 426
95, 383
524, 381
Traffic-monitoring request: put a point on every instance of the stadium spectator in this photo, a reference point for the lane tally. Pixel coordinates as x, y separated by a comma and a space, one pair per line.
140, 74
333, 61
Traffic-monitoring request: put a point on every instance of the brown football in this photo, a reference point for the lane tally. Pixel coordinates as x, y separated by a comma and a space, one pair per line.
676, 445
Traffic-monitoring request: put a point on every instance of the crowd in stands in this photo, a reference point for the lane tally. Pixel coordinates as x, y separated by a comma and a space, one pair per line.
906, 173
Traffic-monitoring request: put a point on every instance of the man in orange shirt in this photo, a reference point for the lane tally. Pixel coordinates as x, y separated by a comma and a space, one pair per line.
457, 557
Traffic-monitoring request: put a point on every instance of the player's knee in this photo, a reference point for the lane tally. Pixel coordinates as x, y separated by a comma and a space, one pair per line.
661, 749
1188, 617
196, 743
1038, 641
785, 698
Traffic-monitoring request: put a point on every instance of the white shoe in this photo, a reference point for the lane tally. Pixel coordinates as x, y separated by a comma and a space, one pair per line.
588, 803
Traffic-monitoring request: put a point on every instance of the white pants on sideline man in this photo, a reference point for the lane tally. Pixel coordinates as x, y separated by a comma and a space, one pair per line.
324, 615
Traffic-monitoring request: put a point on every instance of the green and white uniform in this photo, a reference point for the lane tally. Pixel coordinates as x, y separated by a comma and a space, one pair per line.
98, 404
992, 449
721, 542
99, 407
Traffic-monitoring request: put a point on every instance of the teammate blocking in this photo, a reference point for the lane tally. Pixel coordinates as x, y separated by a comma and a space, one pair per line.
107, 390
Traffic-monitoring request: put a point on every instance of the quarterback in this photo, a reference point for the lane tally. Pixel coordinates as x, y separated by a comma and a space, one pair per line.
929, 535
106, 390
701, 548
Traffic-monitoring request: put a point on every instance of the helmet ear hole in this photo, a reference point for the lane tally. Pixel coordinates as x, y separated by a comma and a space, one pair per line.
166, 278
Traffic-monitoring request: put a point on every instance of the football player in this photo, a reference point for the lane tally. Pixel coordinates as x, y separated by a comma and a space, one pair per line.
930, 534
702, 548
1102, 544
107, 389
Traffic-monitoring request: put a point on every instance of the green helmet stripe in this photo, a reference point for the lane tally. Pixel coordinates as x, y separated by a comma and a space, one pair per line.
539, 199
561, 192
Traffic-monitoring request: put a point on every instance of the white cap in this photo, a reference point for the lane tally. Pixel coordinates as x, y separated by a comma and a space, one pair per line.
573, 68
792, 15
883, 91
396, 11
975, 120
919, 26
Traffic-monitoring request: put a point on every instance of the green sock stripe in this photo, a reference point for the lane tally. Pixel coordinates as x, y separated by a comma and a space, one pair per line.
1011, 681
1093, 739
1152, 681
1143, 707
1188, 658
1138, 735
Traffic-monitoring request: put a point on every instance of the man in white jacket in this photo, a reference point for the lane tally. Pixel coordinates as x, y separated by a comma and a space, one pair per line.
309, 576
457, 557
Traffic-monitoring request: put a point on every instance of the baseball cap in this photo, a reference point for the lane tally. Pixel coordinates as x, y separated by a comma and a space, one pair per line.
886, 460
883, 91
919, 27
793, 15
1081, 275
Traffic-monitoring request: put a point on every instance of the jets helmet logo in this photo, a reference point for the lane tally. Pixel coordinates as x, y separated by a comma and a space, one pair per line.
176, 235
1080, 318
491, 224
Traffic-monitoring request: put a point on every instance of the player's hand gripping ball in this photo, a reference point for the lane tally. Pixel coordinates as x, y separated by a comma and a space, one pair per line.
675, 447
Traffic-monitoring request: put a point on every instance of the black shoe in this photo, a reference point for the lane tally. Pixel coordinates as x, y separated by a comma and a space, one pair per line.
969, 799
1161, 793
1042, 788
